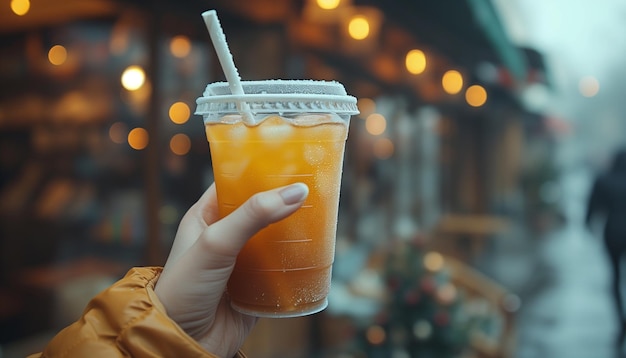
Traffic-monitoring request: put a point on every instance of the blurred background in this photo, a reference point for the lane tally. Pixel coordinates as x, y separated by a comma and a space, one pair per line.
467, 174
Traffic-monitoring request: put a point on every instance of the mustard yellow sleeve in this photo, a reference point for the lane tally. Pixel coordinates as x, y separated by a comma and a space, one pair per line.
126, 320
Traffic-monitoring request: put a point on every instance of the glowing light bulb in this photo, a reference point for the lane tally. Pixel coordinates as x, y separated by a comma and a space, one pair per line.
20, 7
138, 138
180, 46
452, 82
375, 124
476, 96
328, 4
415, 61
133, 78
179, 112
359, 27
366, 106
57, 55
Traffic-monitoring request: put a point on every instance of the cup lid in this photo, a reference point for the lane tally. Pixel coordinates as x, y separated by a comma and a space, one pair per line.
283, 96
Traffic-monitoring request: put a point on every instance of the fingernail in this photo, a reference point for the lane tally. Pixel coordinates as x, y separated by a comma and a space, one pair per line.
294, 193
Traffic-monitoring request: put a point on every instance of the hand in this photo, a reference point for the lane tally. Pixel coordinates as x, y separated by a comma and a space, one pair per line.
192, 284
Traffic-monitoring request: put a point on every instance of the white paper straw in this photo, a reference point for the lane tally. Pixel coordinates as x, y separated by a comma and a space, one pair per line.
226, 61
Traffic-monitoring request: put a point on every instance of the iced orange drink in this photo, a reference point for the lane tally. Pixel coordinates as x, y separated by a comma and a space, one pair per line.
284, 270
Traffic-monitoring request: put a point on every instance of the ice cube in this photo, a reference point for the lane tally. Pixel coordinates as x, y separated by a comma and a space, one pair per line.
274, 129
237, 132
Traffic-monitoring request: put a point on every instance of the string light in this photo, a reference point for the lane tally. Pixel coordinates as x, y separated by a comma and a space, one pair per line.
328, 4
452, 82
375, 124
366, 107
179, 112
20, 7
476, 96
180, 144
133, 78
415, 61
180, 46
57, 55
138, 138
359, 27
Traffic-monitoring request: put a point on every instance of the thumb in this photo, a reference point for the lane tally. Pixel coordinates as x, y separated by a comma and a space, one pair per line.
226, 237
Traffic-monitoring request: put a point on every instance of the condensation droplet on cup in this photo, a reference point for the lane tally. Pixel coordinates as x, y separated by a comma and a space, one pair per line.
314, 154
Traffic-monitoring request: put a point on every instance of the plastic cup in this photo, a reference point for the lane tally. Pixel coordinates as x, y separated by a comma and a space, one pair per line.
298, 136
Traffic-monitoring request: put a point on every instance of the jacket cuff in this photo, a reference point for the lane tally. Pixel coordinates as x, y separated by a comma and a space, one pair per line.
127, 319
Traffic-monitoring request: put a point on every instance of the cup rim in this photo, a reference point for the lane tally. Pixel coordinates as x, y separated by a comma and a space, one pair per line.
286, 95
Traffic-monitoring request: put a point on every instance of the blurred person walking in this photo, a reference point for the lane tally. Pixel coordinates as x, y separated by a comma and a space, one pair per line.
608, 200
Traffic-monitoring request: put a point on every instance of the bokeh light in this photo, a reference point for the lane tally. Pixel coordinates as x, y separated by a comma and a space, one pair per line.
376, 335
452, 82
180, 46
118, 132
57, 55
415, 62
20, 7
179, 112
589, 86
476, 96
422, 329
133, 78
366, 106
138, 138
180, 144
328, 4
433, 261
375, 124
359, 27
447, 293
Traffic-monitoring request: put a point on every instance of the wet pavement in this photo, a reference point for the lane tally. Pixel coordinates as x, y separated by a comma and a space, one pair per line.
563, 279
